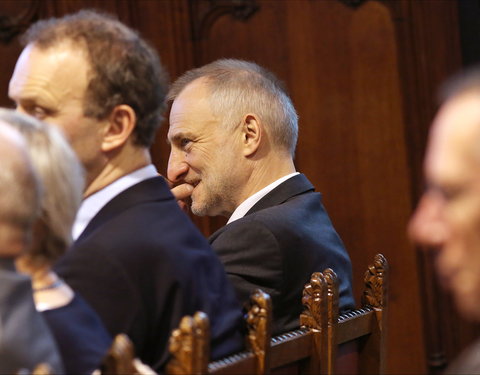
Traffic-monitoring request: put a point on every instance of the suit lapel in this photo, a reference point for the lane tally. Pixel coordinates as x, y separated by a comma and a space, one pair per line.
295, 185
154, 188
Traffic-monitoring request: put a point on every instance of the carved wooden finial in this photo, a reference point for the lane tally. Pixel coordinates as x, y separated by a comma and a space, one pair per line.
119, 359
201, 327
332, 295
259, 320
314, 299
376, 282
189, 346
42, 369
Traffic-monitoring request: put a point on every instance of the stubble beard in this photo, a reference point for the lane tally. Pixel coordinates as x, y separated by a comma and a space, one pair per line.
215, 195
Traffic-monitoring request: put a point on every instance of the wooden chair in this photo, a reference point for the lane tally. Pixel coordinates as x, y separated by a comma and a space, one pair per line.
190, 342
367, 325
40, 369
121, 360
324, 340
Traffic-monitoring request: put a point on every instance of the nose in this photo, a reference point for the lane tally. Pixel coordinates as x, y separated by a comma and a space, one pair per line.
177, 167
427, 226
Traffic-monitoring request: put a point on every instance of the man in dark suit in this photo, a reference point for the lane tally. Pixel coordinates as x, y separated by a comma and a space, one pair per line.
25, 340
447, 219
233, 131
137, 259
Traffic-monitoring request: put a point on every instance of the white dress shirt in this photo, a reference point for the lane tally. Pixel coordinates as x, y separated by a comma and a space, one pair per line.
248, 203
95, 202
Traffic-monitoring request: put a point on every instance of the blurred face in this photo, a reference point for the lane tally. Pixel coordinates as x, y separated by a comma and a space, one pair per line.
447, 218
51, 85
203, 154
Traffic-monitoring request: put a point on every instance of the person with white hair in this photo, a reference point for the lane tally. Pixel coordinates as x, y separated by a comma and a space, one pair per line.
80, 335
25, 340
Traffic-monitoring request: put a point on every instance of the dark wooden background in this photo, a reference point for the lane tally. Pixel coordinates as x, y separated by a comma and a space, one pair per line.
363, 77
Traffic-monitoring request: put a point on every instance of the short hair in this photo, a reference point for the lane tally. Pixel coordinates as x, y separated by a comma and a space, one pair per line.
124, 69
62, 178
20, 187
464, 81
238, 87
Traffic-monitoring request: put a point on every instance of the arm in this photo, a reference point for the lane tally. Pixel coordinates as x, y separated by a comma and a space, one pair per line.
251, 256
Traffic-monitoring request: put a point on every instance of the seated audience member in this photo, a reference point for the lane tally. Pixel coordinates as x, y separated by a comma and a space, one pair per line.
25, 340
137, 259
447, 219
233, 131
80, 335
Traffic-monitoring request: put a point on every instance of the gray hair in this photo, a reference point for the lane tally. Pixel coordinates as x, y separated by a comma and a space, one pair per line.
62, 177
238, 87
20, 188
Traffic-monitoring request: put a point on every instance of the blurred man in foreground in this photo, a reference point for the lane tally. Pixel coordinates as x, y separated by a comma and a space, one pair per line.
447, 219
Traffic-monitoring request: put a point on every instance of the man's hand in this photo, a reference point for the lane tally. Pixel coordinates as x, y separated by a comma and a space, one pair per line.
182, 194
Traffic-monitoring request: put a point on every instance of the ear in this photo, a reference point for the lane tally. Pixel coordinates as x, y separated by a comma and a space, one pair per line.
251, 134
119, 127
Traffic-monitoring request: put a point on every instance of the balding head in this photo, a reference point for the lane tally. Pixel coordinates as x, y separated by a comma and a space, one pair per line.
19, 190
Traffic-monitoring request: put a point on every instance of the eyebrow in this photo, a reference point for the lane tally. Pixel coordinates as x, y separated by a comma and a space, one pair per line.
178, 136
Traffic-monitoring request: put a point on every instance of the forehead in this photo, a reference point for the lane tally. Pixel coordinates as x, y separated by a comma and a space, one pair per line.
191, 109
63, 65
454, 147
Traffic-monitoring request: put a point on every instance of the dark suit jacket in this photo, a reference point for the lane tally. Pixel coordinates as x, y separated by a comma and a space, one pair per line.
25, 340
277, 245
143, 265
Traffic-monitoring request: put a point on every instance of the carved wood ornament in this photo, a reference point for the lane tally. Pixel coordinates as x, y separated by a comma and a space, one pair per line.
353, 3
259, 320
190, 355
11, 26
375, 282
314, 298
206, 12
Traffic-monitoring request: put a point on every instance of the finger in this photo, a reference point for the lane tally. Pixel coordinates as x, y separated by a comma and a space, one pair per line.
182, 191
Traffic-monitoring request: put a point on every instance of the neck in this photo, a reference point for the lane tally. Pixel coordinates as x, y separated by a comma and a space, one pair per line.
49, 291
43, 279
119, 164
263, 174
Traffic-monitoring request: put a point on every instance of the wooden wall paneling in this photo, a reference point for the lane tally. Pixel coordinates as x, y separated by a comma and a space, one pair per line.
341, 66
15, 16
383, 185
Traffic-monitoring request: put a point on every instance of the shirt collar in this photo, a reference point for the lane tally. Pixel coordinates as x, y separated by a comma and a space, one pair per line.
248, 203
95, 202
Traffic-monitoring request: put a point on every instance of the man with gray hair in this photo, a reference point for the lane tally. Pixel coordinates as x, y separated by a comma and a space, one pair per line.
25, 340
233, 132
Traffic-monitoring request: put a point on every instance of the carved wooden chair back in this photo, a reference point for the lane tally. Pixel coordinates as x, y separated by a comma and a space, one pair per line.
189, 344
120, 359
40, 369
322, 345
367, 325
